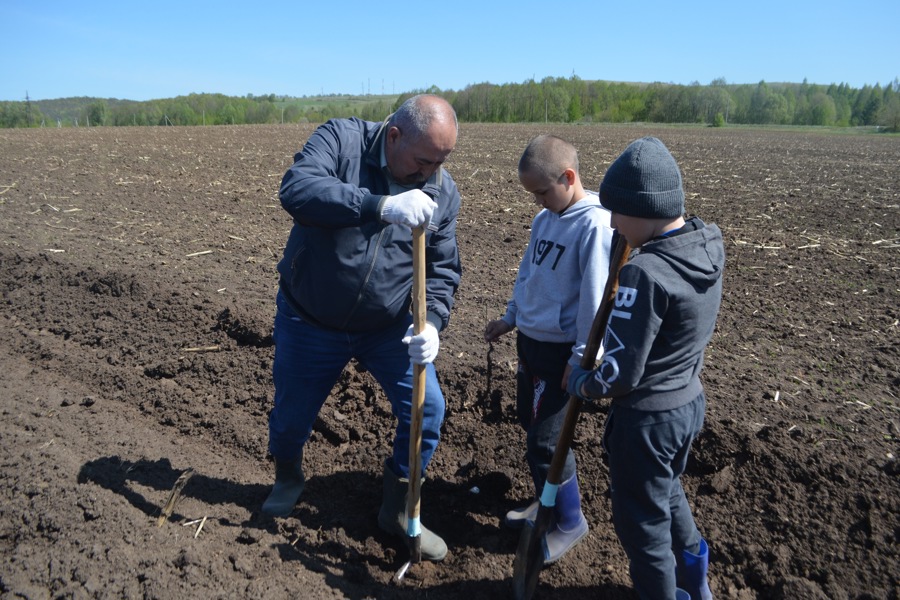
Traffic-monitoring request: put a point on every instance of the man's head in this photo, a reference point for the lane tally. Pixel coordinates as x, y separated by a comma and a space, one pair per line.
643, 190
548, 169
420, 137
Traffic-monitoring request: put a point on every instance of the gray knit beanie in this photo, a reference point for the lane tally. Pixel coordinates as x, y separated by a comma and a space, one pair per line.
644, 182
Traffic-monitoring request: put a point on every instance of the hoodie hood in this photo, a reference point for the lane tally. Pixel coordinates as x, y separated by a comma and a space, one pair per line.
696, 253
589, 202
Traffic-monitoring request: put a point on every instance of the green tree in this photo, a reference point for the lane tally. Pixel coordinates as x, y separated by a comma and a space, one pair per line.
96, 112
869, 114
757, 112
13, 114
822, 110
859, 105
575, 113
889, 116
556, 103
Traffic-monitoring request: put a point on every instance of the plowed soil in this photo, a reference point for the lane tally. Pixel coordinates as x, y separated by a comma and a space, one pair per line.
137, 285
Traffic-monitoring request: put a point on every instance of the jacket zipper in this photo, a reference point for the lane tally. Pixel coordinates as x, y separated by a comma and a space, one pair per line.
368, 276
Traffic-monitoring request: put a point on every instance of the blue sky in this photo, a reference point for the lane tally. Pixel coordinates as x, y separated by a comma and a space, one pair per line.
146, 50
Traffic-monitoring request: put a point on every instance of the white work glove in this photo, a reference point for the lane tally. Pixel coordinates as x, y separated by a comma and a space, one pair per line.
412, 208
423, 348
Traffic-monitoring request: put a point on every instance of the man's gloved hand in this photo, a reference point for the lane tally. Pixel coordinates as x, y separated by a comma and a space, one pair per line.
412, 208
423, 348
576, 381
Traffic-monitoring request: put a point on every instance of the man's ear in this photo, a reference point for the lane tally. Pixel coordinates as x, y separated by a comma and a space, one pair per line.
393, 134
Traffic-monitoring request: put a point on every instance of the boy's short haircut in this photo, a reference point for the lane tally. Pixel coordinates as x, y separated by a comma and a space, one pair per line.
548, 156
644, 181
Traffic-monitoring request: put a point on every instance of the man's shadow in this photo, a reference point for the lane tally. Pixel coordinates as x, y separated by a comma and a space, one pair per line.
121, 476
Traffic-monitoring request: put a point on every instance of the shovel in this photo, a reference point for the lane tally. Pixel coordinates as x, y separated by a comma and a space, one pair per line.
414, 526
530, 554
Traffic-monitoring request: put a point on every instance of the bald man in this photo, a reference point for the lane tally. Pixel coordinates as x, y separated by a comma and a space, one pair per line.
355, 192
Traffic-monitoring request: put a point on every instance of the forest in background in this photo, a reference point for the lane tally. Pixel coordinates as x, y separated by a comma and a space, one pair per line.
557, 100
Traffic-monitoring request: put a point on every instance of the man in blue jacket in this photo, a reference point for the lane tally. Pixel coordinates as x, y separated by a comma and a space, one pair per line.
355, 192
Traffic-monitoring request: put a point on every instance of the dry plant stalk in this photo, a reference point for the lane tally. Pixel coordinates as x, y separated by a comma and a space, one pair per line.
174, 496
203, 348
199, 527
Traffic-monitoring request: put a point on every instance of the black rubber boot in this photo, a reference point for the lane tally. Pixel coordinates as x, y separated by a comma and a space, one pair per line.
392, 516
289, 483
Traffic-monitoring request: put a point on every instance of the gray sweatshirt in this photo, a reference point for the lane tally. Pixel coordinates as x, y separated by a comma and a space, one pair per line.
562, 275
664, 316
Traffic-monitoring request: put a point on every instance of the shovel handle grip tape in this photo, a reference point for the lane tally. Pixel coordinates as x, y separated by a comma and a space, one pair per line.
548, 496
414, 527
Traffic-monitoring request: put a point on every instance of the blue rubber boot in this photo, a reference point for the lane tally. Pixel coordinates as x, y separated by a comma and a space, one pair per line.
569, 525
680, 594
289, 484
690, 573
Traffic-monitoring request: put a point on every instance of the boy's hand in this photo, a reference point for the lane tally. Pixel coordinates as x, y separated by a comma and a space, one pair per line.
495, 329
576, 382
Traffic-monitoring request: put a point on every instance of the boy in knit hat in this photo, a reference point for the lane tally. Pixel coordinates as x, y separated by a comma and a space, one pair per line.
663, 317
558, 288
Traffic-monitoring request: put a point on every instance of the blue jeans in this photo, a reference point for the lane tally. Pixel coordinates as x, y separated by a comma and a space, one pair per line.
308, 362
648, 452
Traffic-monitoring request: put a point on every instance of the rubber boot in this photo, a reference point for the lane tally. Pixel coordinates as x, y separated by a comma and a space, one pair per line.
569, 526
690, 573
289, 483
392, 516
680, 594
516, 518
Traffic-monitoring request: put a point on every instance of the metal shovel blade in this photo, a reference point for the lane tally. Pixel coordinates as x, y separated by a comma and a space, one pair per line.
415, 555
529, 558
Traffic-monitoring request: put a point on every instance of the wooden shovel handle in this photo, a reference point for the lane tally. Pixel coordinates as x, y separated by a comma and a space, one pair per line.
598, 329
418, 403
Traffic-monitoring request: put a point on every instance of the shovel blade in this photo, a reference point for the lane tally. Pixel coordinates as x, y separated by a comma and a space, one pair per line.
530, 555
415, 556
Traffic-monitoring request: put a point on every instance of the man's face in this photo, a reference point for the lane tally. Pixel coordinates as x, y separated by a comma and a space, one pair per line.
412, 162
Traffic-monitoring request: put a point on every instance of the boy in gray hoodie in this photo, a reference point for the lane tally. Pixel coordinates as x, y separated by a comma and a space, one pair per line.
663, 317
558, 288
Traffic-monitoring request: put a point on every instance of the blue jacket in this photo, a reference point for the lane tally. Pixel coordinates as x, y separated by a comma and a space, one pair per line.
343, 268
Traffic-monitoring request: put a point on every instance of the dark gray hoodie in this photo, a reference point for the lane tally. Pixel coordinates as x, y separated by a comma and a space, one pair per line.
664, 316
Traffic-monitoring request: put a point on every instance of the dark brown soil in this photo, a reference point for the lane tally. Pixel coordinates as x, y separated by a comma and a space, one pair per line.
137, 272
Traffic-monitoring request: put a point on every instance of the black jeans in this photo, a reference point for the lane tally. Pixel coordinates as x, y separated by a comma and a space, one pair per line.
541, 403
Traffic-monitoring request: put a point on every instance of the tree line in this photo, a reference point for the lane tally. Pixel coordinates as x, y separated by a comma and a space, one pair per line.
558, 100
